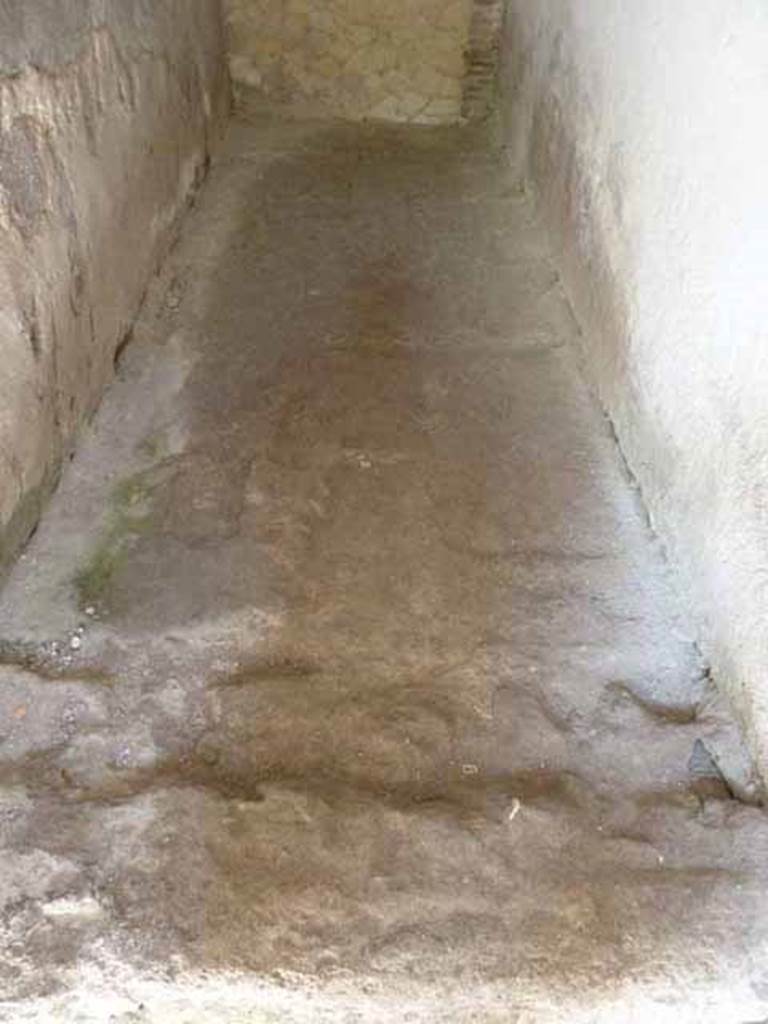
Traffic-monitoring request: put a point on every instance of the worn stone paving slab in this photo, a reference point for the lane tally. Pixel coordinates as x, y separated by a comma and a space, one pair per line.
344, 679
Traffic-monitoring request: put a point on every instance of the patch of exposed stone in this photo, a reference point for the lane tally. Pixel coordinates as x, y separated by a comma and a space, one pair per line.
390, 60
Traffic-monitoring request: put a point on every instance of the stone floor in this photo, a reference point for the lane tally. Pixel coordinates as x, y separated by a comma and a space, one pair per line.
344, 679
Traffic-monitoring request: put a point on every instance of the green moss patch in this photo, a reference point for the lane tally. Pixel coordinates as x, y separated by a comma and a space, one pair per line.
130, 516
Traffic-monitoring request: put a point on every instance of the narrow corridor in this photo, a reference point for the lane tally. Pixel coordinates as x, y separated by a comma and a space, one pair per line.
345, 662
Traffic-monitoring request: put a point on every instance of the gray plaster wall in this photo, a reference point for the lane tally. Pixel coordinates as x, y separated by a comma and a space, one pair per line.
108, 111
638, 126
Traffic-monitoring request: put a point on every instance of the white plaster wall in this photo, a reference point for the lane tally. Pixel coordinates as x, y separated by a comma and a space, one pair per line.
396, 60
642, 127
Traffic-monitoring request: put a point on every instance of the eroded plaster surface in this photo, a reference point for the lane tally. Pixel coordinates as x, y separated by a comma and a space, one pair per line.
638, 125
107, 111
384, 59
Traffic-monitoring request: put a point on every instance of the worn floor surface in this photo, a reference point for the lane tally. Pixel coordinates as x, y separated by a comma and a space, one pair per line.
344, 680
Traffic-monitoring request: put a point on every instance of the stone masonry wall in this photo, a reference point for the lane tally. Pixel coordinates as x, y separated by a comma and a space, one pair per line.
107, 112
391, 59
482, 59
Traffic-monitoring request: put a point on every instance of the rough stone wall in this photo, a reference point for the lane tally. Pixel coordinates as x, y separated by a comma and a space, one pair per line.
482, 59
639, 126
391, 59
107, 112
